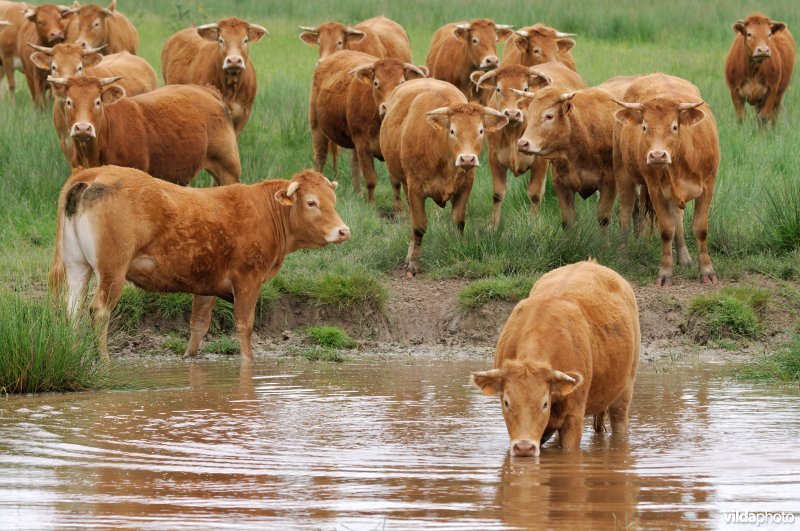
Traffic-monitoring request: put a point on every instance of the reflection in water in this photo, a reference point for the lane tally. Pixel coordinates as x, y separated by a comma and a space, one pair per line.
317, 445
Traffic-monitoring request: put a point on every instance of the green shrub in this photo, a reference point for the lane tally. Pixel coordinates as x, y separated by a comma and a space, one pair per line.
222, 345
330, 337
478, 293
317, 353
175, 345
728, 313
781, 366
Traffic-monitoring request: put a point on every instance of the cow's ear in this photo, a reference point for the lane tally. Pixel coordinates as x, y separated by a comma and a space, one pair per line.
629, 116
286, 197
492, 122
112, 94
412, 73
354, 35
504, 33
739, 28
565, 45
30, 14
255, 32
41, 60
309, 37
521, 42
564, 383
59, 88
209, 33
366, 75
775, 27
93, 59
461, 33
524, 103
691, 117
439, 121
112, 6
490, 382
538, 80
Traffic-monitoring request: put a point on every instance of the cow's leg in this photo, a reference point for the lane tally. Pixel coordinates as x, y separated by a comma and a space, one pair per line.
419, 224
320, 142
569, 434
537, 184
499, 185
566, 198
626, 189
367, 165
599, 422
109, 289
244, 310
397, 202
202, 307
222, 160
700, 229
355, 171
681, 250
738, 105
765, 113
618, 411
608, 192
78, 276
459, 202
666, 225
8, 70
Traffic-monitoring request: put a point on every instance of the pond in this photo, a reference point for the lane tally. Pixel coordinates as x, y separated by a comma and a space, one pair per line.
400, 444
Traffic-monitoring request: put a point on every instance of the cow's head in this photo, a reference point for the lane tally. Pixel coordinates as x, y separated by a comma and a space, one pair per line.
50, 21
480, 36
527, 392
234, 36
92, 24
508, 86
540, 44
384, 76
331, 37
313, 220
465, 125
65, 60
549, 125
84, 101
757, 32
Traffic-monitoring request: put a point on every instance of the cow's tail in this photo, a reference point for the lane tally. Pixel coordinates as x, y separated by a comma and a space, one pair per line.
68, 206
649, 209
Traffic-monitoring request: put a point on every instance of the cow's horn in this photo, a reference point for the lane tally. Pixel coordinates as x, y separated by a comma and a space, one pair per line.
567, 96
464, 26
57, 80
415, 68
310, 29
524, 93
558, 375
440, 110
87, 51
489, 110
213, 25
488, 75
503, 26
293, 186
353, 31
356, 70
628, 105
561, 35
533, 72
740, 21
522, 33
689, 106
260, 28
109, 80
43, 49
5, 23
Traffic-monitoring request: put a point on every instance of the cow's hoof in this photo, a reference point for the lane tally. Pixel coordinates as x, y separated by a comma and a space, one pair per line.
188, 354
664, 281
412, 269
709, 278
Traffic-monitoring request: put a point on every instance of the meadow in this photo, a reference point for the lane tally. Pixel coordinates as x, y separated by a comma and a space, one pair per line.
755, 215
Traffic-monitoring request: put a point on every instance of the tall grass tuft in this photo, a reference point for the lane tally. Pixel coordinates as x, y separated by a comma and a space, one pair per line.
41, 349
782, 366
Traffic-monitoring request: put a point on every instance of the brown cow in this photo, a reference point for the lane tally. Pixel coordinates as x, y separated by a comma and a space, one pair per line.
68, 60
348, 98
458, 49
574, 130
569, 350
104, 27
11, 20
46, 25
121, 224
431, 139
379, 36
216, 54
539, 44
667, 142
171, 133
506, 87
759, 66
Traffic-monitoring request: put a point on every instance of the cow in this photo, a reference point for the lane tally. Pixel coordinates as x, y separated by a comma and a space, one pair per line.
431, 138
458, 49
216, 54
46, 25
569, 350
666, 139
379, 37
759, 66
574, 130
507, 86
104, 27
538, 44
348, 98
121, 224
68, 60
11, 19
171, 133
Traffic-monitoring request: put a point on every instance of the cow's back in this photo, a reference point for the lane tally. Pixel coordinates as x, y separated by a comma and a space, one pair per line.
179, 56
446, 54
123, 36
392, 36
11, 12
138, 76
618, 85
561, 75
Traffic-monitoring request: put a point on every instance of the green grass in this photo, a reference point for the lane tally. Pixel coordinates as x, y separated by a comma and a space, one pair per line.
729, 313
479, 292
782, 366
318, 353
221, 345
330, 337
174, 344
41, 349
754, 219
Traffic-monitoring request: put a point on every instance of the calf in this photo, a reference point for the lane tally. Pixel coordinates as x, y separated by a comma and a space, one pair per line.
458, 49
348, 98
569, 350
379, 37
507, 87
216, 54
171, 133
666, 139
539, 44
103, 27
759, 66
121, 224
46, 25
431, 139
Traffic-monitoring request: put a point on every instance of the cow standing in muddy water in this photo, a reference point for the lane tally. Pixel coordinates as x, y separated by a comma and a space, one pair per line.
569, 350
380, 37
759, 66
458, 49
348, 96
94, 26
666, 139
507, 87
121, 224
216, 54
431, 139
538, 44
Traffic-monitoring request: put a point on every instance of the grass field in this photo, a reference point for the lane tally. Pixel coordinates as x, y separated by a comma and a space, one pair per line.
755, 216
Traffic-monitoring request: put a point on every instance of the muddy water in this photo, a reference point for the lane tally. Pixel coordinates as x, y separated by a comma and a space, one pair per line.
386, 445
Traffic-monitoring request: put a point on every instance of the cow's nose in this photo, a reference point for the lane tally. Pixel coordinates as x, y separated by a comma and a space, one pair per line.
658, 157
514, 115
524, 145
82, 44
467, 160
382, 110
234, 61
490, 61
83, 130
762, 51
525, 448
344, 233
56, 36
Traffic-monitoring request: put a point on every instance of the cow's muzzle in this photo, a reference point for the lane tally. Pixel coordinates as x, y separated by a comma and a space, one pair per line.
762, 53
467, 160
526, 147
82, 131
489, 62
233, 64
524, 448
514, 115
659, 157
339, 235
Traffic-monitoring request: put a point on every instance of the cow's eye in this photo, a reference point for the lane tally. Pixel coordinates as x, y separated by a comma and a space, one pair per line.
312, 204
69, 102
97, 102
525, 88
96, 24
480, 132
80, 68
475, 41
245, 41
675, 127
376, 84
339, 44
506, 404
537, 51
749, 33
498, 90
453, 132
544, 406
52, 68
221, 40
549, 116
644, 127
